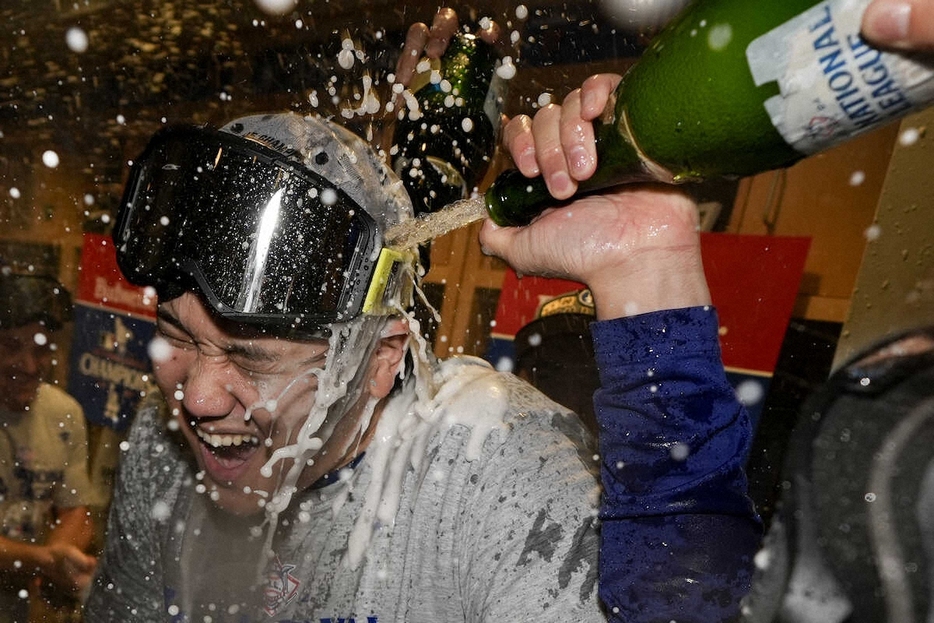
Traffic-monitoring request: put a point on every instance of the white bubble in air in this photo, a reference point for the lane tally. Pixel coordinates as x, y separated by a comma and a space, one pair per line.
505, 364
909, 137
763, 559
276, 7
720, 36
507, 70
641, 15
159, 350
14, 192
40, 339
522, 11
161, 511
873, 232
76, 40
749, 392
328, 196
345, 58
857, 178
544, 99
680, 451
50, 159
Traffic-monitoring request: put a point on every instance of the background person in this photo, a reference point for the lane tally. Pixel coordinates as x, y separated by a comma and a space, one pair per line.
44, 485
554, 352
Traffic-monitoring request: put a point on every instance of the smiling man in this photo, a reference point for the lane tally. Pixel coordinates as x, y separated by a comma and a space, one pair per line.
308, 459
246, 392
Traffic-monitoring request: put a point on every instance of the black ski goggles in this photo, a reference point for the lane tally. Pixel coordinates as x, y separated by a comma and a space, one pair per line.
265, 240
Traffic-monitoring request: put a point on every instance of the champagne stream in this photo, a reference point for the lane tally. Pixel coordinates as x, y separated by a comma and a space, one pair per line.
410, 234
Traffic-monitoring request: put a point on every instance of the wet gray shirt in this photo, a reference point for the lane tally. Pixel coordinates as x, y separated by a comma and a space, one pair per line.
507, 535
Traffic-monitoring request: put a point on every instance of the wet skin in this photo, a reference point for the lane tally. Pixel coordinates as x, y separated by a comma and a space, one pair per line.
26, 357
239, 395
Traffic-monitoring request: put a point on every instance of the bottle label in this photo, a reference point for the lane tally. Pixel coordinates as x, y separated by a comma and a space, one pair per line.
833, 84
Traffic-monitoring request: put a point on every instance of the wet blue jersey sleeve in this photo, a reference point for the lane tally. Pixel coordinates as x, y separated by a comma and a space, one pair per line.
679, 532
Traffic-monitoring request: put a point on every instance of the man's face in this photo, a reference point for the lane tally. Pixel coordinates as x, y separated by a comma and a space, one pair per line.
25, 357
239, 396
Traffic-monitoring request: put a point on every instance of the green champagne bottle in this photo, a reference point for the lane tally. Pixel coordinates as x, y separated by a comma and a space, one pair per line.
442, 148
734, 88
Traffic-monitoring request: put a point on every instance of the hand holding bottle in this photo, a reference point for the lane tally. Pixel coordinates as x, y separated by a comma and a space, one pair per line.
636, 247
422, 40
66, 566
901, 24
562, 153
718, 93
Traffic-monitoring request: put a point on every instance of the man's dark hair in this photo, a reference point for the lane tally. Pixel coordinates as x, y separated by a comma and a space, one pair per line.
28, 298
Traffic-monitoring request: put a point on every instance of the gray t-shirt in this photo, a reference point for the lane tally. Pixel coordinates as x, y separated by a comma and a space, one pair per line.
496, 526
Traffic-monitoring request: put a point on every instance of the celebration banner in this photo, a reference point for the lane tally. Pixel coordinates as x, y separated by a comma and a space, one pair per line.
114, 322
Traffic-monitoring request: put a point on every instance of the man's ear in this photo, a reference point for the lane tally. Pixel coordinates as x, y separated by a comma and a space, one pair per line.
389, 356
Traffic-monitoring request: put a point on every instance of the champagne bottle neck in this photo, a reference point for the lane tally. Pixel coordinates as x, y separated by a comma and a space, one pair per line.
467, 70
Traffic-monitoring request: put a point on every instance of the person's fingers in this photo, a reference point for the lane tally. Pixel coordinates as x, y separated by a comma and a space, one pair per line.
577, 138
550, 152
901, 24
87, 563
490, 33
595, 92
443, 28
496, 240
415, 40
518, 139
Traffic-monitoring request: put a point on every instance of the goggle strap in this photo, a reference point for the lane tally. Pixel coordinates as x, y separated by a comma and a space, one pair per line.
392, 265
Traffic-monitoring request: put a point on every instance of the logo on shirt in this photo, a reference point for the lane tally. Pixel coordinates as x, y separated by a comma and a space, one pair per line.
281, 587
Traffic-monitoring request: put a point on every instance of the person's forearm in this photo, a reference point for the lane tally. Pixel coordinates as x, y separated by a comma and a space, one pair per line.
677, 524
23, 559
73, 526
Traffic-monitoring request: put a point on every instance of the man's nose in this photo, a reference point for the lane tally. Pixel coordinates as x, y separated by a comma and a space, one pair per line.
27, 361
209, 390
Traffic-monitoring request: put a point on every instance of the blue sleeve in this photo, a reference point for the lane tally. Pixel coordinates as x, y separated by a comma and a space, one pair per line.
679, 532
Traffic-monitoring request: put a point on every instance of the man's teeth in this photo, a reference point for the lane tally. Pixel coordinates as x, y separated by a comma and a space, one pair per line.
218, 441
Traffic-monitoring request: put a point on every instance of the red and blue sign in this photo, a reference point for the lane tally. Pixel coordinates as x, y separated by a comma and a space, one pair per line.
114, 321
753, 280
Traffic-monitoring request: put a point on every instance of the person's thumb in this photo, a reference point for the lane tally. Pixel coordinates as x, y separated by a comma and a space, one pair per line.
902, 24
